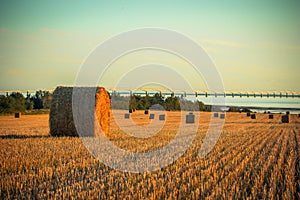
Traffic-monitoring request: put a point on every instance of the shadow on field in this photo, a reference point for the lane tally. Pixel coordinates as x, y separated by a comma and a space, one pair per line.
14, 136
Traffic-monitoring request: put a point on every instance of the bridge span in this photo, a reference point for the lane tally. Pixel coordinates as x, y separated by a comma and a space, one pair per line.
183, 93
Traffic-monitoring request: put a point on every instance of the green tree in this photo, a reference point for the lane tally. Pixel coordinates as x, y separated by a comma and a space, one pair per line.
201, 106
37, 100
132, 102
7, 104
140, 103
172, 104
156, 99
28, 102
47, 99
19, 101
146, 105
41, 99
119, 102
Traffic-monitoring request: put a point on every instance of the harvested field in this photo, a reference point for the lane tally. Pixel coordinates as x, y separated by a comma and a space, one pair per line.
27, 125
254, 158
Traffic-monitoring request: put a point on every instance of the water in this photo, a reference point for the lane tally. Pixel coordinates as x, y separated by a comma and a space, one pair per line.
278, 104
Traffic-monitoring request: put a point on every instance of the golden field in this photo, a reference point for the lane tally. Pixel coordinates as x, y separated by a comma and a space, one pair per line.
253, 159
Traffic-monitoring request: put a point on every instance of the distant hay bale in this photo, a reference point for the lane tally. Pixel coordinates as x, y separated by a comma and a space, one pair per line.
127, 116
151, 116
190, 118
216, 114
253, 116
61, 116
271, 116
162, 117
17, 115
222, 116
285, 119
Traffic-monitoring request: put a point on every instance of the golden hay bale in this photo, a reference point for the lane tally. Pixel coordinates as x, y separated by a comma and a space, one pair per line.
61, 113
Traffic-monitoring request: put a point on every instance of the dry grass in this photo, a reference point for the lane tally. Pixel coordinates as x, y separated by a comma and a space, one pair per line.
27, 125
255, 159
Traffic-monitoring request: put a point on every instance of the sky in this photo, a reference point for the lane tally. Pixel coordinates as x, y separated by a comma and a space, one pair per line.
255, 45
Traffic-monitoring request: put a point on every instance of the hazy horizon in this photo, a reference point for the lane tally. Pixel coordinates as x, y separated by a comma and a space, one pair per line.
255, 45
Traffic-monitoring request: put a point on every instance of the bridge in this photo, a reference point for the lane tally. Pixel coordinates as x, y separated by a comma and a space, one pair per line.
205, 93
184, 93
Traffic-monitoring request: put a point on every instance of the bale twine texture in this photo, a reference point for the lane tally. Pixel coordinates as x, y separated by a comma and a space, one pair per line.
61, 119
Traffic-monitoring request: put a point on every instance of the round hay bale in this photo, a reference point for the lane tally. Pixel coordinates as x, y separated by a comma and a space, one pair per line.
271, 116
162, 117
222, 116
102, 109
61, 116
17, 115
285, 119
151, 116
253, 116
190, 118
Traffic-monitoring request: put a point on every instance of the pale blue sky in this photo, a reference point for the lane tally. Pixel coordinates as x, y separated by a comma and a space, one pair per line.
254, 44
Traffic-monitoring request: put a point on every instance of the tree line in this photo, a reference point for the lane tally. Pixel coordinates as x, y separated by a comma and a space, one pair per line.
17, 102
157, 101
